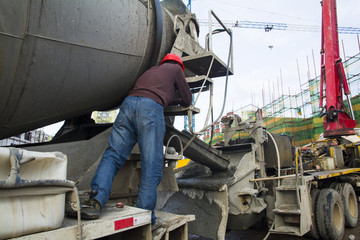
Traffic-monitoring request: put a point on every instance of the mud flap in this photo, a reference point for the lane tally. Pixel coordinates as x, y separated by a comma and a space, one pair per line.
209, 207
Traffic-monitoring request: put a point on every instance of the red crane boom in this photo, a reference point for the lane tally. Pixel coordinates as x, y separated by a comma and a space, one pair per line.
337, 121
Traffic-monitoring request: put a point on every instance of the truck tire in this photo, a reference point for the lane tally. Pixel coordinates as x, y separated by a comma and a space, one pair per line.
314, 233
330, 217
348, 196
334, 185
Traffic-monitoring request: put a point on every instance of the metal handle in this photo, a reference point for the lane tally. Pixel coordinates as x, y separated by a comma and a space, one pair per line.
175, 21
181, 146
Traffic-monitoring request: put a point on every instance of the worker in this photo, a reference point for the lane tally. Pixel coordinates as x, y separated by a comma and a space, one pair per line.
141, 119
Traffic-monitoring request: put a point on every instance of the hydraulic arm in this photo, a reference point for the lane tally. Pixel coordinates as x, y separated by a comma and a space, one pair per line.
337, 122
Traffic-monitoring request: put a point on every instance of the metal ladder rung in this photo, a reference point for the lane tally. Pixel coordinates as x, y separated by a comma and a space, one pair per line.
286, 188
287, 209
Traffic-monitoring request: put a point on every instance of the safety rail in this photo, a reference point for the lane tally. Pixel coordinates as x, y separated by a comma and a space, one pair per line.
208, 47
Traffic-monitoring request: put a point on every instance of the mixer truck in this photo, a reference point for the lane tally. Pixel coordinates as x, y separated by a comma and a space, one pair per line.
62, 59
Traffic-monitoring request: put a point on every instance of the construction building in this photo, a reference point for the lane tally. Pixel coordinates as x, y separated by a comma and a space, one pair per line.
296, 115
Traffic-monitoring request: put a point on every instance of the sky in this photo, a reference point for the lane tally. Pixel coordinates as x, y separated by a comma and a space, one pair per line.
260, 56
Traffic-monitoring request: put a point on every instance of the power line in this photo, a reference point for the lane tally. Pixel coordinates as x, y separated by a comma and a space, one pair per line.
232, 5
268, 26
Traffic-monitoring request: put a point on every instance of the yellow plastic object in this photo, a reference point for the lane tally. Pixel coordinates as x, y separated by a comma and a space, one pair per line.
182, 163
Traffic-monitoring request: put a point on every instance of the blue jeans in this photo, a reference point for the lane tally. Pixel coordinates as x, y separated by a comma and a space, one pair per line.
140, 120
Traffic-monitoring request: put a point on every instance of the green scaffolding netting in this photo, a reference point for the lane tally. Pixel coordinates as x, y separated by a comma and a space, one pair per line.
298, 115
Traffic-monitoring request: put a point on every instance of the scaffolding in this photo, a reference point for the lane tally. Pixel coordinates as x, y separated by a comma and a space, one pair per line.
34, 136
297, 115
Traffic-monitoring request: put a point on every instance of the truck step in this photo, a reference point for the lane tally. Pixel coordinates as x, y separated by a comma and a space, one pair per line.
291, 209
200, 63
291, 230
286, 188
171, 226
112, 221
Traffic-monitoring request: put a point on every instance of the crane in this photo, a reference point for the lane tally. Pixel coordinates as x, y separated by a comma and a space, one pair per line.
268, 26
337, 122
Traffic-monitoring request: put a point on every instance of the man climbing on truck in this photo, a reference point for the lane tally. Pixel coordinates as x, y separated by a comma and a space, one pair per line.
141, 120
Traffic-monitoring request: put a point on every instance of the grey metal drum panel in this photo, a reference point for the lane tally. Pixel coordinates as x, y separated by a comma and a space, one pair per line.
115, 26
63, 58
13, 17
284, 146
102, 73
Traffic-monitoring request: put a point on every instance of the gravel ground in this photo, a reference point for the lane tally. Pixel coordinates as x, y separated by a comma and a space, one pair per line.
259, 231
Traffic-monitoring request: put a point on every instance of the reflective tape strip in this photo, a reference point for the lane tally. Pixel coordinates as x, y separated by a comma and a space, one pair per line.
123, 223
132, 221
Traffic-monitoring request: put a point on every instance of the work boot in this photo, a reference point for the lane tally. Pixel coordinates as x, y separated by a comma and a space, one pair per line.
156, 224
91, 210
